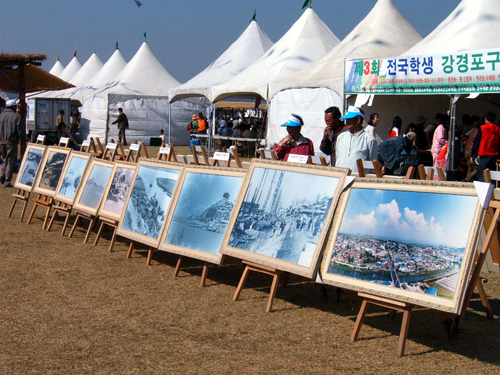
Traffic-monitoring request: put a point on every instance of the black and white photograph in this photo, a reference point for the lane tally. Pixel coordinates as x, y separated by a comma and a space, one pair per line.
146, 208
405, 241
52, 165
283, 215
93, 185
72, 177
199, 221
116, 195
29, 166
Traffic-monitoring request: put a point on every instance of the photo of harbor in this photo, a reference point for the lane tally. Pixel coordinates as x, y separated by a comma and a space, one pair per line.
409, 240
283, 214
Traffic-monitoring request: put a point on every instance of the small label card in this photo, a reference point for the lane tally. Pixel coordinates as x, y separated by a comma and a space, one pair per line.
40, 138
112, 146
85, 143
165, 150
223, 156
134, 146
294, 158
64, 140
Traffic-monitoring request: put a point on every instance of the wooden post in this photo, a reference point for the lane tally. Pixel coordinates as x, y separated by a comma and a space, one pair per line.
21, 196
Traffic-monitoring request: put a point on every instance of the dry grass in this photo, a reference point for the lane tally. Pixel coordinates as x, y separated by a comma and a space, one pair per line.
72, 308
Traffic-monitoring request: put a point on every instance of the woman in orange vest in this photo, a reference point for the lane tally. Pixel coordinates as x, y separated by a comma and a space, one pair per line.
202, 124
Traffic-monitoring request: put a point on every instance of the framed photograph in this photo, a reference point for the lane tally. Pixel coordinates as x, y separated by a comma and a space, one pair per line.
404, 240
51, 167
148, 201
72, 176
282, 215
199, 215
116, 193
29, 167
94, 182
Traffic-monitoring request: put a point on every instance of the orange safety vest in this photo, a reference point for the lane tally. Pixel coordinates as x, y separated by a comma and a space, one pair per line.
202, 125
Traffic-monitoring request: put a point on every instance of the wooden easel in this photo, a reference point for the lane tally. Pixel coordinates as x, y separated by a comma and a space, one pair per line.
86, 146
111, 151
362, 164
268, 154
204, 154
167, 152
60, 209
45, 202
204, 273
234, 155
428, 173
403, 307
110, 223
131, 249
80, 216
96, 150
275, 273
134, 152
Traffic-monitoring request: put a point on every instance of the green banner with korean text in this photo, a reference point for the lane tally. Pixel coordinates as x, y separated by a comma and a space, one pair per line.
451, 73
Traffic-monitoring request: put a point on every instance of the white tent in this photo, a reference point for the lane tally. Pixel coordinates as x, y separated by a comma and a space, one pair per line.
473, 25
141, 89
249, 47
57, 69
383, 32
71, 69
305, 42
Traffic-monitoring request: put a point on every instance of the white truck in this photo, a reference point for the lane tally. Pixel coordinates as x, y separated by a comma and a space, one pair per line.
41, 114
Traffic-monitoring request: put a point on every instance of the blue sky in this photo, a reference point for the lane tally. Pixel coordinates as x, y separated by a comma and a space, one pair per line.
438, 218
186, 36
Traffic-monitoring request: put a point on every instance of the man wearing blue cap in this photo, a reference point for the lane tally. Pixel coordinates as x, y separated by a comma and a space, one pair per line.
294, 142
355, 143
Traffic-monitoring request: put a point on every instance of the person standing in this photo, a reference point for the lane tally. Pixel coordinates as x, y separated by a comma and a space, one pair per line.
396, 127
294, 142
440, 137
354, 143
334, 126
60, 117
486, 145
202, 124
11, 133
122, 122
371, 128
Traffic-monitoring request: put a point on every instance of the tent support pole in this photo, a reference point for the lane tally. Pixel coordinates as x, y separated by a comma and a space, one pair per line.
450, 163
106, 131
168, 122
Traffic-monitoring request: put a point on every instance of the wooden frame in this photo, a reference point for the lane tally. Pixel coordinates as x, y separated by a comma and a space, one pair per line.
282, 215
115, 195
154, 184
195, 226
71, 177
52, 165
407, 235
29, 168
95, 182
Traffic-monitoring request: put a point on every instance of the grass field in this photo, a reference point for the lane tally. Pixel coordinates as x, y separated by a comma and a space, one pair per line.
72, 308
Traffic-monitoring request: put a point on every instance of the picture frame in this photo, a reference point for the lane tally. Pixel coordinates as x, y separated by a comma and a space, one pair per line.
30, 166
115, 195
282, 215
409, 241
71, 177
148, 201
196, 223
51, 168
95, 182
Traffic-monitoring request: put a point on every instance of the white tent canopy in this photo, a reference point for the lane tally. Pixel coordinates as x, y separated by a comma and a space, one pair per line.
141, 89
71, 69
305, 42
474, 24
57, 69
383, 32
248, 48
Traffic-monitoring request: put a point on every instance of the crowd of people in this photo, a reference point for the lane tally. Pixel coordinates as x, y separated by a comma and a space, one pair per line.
346, 139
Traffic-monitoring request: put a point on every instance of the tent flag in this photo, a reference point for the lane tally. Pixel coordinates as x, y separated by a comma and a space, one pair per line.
116, 45
257, 101
138, 3
74, 54
254, 15
144, 35
307, 3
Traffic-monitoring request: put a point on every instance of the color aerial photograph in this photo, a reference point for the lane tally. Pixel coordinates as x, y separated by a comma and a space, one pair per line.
409, 240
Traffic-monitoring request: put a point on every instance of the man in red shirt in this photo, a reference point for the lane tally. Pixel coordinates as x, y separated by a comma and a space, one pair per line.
487, 145
294, 142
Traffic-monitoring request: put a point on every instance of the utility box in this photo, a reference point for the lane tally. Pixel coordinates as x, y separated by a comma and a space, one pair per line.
41, 115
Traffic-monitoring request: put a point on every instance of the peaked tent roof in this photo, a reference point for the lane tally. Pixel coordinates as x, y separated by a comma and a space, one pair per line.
57, 69
143, 75
305, 42
383, 32
105, 78
474, 24
248, 48
71, 69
